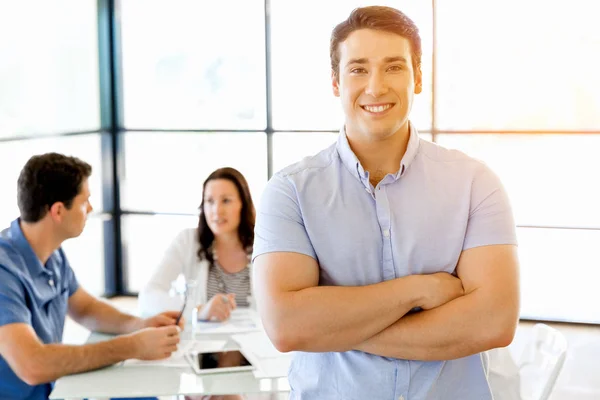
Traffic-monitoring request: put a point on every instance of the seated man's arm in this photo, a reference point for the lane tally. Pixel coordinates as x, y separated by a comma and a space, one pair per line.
100, 316
485, 317
35, 362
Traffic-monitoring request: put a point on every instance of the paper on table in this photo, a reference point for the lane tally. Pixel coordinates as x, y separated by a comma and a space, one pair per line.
241, 320
258, 343
177, 359
269, 362
273, 367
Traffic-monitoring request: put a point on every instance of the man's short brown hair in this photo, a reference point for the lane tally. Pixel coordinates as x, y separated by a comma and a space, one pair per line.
46, 179
379, 18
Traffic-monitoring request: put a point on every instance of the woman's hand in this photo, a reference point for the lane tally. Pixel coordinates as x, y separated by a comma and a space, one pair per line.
218, 308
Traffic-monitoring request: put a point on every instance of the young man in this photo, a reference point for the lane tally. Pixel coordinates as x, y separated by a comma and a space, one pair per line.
388, 262
38, 287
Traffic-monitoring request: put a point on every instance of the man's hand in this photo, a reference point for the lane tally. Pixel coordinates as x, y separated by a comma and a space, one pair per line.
155, 343
442, 287
219, 308
166, 318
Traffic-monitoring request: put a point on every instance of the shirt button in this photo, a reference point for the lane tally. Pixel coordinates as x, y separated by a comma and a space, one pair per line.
386, 233
51, 282
401, 398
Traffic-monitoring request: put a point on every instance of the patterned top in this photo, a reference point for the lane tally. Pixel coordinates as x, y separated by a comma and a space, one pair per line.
220, 281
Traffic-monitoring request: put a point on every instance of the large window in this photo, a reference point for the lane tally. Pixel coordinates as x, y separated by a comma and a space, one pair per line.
200, 72
301, 78
146, 238
164, 172
528, 68
502, 95
49, 68
195, 99
192, 86
191, 64
49, 80
517, 65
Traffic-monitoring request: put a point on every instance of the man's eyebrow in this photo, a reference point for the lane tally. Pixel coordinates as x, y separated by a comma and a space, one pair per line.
357, 61
364, 60
395, 59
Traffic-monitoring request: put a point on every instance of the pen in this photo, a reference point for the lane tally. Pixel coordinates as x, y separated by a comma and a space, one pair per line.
182, 308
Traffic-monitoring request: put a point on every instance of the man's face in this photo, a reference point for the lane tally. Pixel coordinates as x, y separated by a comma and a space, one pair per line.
74, 218
376, 84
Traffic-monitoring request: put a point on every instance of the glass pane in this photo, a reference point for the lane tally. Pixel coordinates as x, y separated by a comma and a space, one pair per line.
49, 69
14, 155
551, 179
560, 269
145, 239
301, 69
194, 64
86, 255
289, 148
519, 65
164, 171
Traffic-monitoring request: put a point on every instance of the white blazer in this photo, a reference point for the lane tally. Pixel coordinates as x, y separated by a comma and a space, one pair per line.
180, 257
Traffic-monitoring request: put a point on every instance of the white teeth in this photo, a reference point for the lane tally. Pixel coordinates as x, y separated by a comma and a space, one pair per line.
376, 109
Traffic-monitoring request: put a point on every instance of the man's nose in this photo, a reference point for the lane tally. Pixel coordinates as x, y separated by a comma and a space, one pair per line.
377, 86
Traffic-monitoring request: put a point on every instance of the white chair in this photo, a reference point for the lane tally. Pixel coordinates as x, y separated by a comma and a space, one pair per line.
541, 362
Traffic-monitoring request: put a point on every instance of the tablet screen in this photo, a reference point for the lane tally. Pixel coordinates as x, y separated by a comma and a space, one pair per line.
224, 361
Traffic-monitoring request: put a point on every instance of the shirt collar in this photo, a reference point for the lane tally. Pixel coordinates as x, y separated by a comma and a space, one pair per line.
32, 262
353, 165
411, 150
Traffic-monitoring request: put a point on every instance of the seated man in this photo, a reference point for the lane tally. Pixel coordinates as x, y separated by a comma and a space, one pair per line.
38, 287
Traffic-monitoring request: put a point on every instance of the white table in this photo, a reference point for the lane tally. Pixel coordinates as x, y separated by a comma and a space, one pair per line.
146, 381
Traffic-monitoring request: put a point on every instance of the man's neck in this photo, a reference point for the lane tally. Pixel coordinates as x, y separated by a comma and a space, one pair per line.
41, 238
381, 157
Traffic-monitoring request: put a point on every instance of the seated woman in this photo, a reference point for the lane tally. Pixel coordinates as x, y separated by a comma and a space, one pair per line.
216, 254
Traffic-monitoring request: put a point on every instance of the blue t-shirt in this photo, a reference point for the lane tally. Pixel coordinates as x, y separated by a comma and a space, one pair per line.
33, 294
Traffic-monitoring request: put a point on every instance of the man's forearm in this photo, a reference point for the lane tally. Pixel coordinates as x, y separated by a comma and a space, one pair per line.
100, 316
53, 361
467, 325
336, 318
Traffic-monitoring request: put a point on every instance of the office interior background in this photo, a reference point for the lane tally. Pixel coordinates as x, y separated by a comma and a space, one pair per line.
156, 94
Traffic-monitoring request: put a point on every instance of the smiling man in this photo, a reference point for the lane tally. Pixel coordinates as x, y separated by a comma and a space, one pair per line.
387, 262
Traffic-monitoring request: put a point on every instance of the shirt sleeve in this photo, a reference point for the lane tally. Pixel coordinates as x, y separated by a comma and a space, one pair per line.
491, 218
71, 282
279, 222
154, 296
12, 300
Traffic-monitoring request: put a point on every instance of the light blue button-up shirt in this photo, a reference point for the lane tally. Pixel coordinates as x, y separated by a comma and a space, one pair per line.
417, 221
34, 294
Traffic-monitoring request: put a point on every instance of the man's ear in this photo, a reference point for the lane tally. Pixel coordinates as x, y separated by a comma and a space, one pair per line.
418, 81
335, 84
57, 211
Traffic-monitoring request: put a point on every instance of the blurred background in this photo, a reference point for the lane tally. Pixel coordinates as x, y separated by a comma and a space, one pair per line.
157, 94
